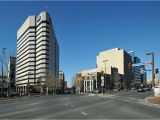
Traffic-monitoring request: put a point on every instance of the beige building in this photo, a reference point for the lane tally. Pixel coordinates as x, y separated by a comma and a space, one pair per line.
117, 58
37, 52
87, 80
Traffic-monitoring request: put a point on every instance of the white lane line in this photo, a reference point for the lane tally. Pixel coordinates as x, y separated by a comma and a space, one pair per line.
19, 112
83, 113
127, 100
72, 105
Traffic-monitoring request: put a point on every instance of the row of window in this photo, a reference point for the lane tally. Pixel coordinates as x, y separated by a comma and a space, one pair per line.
33, 27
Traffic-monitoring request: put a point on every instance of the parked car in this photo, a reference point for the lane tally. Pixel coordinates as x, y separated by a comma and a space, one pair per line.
115, 90
97, 91
67, 92
133, 88
13, 94
147, 89
140, 90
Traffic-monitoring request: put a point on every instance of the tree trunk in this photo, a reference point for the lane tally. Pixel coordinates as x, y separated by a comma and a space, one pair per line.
47, 91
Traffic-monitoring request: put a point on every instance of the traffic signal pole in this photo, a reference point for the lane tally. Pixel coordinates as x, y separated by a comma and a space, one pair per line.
153, 74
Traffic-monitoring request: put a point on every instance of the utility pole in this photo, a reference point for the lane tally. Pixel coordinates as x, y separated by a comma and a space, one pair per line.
105, 77
153, 74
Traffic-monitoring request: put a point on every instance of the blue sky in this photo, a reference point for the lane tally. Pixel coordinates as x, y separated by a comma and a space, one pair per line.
83, 29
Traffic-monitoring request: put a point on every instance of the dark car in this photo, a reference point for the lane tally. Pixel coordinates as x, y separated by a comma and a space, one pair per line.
147, 89
14, 94
140, 90
67, 92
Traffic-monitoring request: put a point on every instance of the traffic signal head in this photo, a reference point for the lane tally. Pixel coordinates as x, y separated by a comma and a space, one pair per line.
156, 71
129, 66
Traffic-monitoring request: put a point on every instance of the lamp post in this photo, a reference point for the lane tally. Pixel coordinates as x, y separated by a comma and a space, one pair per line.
105, 77
153, 75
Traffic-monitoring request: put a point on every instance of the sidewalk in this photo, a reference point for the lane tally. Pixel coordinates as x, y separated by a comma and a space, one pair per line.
10, 98
153, 100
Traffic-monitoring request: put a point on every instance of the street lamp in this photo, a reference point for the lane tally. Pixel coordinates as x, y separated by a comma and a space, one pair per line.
153, 75
105, 77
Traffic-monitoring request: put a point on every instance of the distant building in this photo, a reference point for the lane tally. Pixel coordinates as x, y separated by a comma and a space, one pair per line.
88, 80
61, 81
12, 72
65, 86
37, 52
139, 74
3, 85
116, 58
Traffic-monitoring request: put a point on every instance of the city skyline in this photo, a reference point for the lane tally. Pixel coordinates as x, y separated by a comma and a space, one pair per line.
83, 29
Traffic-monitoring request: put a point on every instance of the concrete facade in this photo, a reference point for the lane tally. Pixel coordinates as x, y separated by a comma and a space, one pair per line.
37, 51
117, 58
88, 80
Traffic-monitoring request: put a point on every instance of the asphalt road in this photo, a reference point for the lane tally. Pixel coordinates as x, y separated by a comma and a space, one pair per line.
122, 105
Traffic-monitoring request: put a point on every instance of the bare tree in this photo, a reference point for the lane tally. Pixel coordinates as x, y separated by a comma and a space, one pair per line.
78, 82
50, 83
117, 81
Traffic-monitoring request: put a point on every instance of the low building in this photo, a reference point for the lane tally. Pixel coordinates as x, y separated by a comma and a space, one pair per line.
91, 79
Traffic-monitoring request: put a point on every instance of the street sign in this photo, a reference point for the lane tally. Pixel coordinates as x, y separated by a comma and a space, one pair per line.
102, 80
148, 63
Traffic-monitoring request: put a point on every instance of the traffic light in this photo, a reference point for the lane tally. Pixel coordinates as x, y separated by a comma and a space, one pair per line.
156, 71
129, 66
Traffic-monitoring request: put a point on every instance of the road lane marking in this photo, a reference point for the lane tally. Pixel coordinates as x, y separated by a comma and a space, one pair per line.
72, 105
127, 100
18, 112
83, 113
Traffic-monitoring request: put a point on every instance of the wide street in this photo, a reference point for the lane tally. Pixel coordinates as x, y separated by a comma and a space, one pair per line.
121, 105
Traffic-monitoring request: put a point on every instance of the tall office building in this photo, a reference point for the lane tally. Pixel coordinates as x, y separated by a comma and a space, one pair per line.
37, 51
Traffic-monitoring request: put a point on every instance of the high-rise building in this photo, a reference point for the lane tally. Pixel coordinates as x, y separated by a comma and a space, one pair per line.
37, 51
